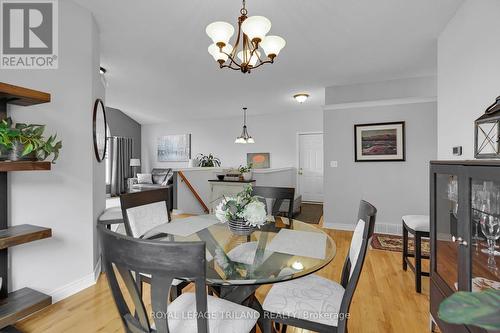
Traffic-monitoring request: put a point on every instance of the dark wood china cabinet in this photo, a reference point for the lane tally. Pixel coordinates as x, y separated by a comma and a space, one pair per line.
465, 227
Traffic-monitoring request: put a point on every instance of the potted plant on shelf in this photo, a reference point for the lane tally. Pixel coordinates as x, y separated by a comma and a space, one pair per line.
207, 161
26, 142
243, 213
246, 172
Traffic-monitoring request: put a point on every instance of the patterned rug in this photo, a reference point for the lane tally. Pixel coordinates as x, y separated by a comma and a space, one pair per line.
395, 243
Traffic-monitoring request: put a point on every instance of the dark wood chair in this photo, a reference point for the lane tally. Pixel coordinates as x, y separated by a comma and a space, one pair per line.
419, 227
144, 210
278, 194
328, 310
163, 261
141, 212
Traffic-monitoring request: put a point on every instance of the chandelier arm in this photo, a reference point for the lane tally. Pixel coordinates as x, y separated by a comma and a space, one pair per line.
233, 61
258, 56
264, 62
228, 66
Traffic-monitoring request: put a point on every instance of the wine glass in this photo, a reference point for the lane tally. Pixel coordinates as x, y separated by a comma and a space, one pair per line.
476, 214
490, 226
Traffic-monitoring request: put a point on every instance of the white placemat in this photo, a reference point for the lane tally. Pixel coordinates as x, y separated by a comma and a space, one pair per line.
299, 243
184, 227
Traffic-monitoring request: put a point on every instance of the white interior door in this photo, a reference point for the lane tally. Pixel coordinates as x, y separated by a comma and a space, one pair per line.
311, 167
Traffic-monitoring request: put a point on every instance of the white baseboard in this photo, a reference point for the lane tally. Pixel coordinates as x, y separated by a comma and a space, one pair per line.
382, 228
338, 226
76, 286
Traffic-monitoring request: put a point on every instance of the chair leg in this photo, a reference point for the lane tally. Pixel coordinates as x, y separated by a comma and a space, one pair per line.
405, 247
418, 262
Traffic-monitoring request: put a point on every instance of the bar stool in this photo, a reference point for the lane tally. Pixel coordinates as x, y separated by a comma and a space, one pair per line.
418, 226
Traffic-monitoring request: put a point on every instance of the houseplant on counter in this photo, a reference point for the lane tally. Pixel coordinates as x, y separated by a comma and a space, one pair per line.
207, 161
26, 142
246, 171
243, 213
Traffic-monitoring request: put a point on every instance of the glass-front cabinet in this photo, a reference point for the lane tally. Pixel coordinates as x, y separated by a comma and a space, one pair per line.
465, 228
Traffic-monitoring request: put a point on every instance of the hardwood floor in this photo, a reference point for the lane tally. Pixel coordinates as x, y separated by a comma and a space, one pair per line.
385, 300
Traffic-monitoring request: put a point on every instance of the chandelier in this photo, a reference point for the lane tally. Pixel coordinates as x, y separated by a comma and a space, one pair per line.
244, 137
246, 53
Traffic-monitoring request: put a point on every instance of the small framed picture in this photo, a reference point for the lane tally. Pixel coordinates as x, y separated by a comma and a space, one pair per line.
379, 142
259, 160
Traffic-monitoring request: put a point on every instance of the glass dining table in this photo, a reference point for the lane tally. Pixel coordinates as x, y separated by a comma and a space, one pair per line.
281, 250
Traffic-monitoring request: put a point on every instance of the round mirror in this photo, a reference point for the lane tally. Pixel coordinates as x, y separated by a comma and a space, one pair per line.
99, 126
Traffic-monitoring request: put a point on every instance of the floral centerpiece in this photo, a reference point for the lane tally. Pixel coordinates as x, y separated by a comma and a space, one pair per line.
243, 213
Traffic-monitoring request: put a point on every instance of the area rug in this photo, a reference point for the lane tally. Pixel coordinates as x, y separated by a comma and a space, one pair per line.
395, 243
310, 213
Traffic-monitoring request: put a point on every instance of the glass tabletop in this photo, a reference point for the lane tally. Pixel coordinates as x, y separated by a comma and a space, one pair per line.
281, 250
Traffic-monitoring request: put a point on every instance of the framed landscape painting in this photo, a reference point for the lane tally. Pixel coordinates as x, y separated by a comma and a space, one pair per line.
379, 142
174, 148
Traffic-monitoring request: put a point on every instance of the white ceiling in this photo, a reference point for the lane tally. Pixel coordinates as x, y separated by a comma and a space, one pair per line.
159, 69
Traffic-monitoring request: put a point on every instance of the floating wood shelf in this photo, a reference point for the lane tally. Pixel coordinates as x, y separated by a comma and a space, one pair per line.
20, 304
21, 234
23, 302
22, 96
24, 166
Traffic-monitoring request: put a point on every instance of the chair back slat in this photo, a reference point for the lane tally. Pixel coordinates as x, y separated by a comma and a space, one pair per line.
355, 259
144, 210
278, 194
163, 261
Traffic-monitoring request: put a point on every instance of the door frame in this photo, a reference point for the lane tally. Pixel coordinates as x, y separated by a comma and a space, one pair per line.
297, 156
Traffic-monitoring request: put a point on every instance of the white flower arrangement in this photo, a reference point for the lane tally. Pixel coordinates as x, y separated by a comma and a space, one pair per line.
242, 207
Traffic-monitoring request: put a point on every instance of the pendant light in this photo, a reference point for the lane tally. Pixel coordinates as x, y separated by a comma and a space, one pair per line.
244, 138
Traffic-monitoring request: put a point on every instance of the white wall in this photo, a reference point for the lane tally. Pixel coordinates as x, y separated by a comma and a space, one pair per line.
275, 133
468, 74
395, 188
68, 198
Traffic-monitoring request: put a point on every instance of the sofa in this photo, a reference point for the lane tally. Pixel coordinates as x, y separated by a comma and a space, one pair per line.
161, 178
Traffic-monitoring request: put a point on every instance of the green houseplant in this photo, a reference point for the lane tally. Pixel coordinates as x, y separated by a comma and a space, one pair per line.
208, 161
27, 142
246, 171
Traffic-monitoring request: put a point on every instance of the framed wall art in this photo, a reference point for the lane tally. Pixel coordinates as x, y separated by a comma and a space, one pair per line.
379, 142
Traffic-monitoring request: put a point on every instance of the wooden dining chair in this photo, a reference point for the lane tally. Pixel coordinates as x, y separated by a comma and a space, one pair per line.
318, 304
278, 194
142, 211
163, 261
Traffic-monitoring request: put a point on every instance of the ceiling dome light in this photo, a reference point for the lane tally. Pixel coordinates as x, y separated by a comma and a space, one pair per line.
214, 50
272, 45
301, 98
220, 32
256, 28
102, 70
